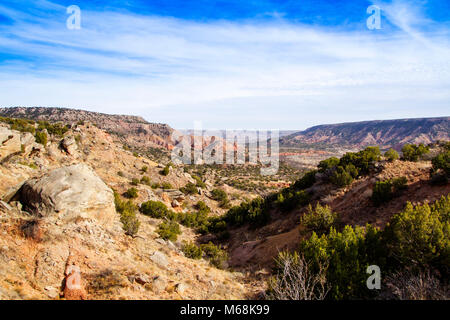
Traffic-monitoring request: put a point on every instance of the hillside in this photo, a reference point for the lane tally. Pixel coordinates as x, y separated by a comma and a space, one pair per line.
65, 217
131, 130
384, 133
76, 203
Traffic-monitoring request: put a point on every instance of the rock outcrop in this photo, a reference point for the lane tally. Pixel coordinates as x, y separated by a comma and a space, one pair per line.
69, 145
70, 192
9, 142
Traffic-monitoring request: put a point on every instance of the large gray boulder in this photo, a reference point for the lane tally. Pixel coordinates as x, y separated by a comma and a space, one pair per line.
69, 192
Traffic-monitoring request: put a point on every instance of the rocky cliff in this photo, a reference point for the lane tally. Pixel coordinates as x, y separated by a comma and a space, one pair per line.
385, 133
132, 130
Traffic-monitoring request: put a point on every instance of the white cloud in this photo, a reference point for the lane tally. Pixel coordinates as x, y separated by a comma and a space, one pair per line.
178, 71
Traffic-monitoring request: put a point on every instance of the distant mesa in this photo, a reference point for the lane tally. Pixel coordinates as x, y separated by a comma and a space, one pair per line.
384, 133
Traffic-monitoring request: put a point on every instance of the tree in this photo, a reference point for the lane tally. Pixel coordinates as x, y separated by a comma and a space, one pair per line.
442, 163
412, 152
391, 155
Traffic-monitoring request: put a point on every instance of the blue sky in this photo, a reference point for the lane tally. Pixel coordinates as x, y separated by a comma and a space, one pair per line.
229, 64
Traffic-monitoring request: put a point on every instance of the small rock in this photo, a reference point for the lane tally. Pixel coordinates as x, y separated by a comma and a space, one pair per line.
161, 241
160, 259
52, 292
5, 206
171, 246
175, 204
158, 284
142, 279
181, 288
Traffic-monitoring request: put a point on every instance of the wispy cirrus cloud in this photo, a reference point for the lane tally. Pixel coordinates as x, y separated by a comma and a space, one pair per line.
243, 73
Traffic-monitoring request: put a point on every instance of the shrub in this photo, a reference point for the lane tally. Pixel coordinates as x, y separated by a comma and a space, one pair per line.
127, 211
131, 193
342, 177
22, 125
423, 285
384, 191
130, 222
416, 239
54, 129
289, 199
420, 236
189, 188
41, 137
154, 209
134, 181
144, 169
120, 174
202, 207
156, 185
165, 171
362, 160
347, 254
192, 251
399, 184
216, 256
192, 220
199, 181
319, 219
220, 196
166, 185
169, 230
327, 164
341, 172
391, 155
295, 279
308, 179
441, 163
146, 180
412, 152
255, 213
